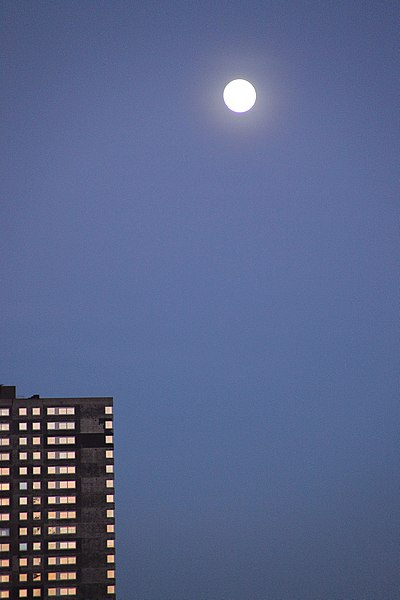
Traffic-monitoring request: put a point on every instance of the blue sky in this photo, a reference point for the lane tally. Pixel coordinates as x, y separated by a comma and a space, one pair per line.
229, 279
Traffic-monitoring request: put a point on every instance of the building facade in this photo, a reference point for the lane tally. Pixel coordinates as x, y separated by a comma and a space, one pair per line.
56, 497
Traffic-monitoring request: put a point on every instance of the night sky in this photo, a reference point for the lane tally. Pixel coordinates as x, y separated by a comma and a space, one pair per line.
231, 279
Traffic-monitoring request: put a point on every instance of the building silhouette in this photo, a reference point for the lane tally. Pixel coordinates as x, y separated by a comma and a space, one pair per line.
56, 497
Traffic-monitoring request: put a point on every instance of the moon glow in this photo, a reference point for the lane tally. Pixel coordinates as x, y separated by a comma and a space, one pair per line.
239, 95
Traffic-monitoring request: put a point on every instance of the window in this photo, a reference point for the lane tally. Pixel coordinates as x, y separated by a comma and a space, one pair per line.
37, 546
36, 411
61, 575
61, 499
37, 531
4, 516
61, 485
62, 514
36, 500
110, 498
60, 470
109, 468
108, 410
4, 427
4, 501
23, 441
36, 485
4, 487
35, 426
61, 440
37, 592
110, 558
61, 455
37, 576
110, 483
23, 470
70, 545
23, 516
111, 589
108, 424
61, 410
4, 547
4, 412
109, 454
23, 531
23, 426
23, 456
110, 543
111, 574
61, 425
36, 470
23, 547
4, 441
36, 455
4, 532
22, 412
110, 528
4, 594
61, 560
37, 561
23, 593
4, 562
4, 456
23, 485
4, 471
110, 514
109, 439
23, 500
36, 441
4, 578
37, 516
23, 576
61, 529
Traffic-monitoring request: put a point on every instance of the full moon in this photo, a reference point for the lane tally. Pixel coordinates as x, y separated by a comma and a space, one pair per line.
239, 95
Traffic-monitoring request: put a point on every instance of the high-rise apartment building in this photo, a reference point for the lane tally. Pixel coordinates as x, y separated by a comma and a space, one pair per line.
56, 497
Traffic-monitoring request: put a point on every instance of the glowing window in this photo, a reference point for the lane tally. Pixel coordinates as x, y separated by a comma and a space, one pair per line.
22, 412
36, 455
4, 456
4, 412
4, 487
110, 558
4, 516
36, 470
4, 441
23, 456
110, 513
4, 427
23, 516
23, 470
23, 426
4, 471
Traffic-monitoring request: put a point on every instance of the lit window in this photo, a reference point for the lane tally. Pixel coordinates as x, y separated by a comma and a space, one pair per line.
4, 441
4, 487
109, 454
4, 412
23, 426
36, 485
36, 470
23, 531
23, 485
4, 456
23, 576
23, 516
4, 516
23, 562
110, 543
4, 562
109, 468
109, 439
110, 589
4, 501
4, 578
23, 441
4, 427
4, 471
23, 500
23, 546
36, 500
37, 531
23, 470
37, 546
61, 499
110, 528
36, 455
110, 513
110, 498
110, 558
23, 593
35, 426
37, 576
4, 594
108, 424
36, 441
110, 483
37, 592
110, 574
36, 411
37, 561
23, 412
4, 547
37, 516
108, 410
23, 456
4, 532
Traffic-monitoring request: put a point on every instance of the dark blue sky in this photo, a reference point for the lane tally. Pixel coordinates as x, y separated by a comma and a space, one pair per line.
229, 279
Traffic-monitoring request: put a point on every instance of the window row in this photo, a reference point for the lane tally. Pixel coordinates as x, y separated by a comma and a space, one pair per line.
51, 454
